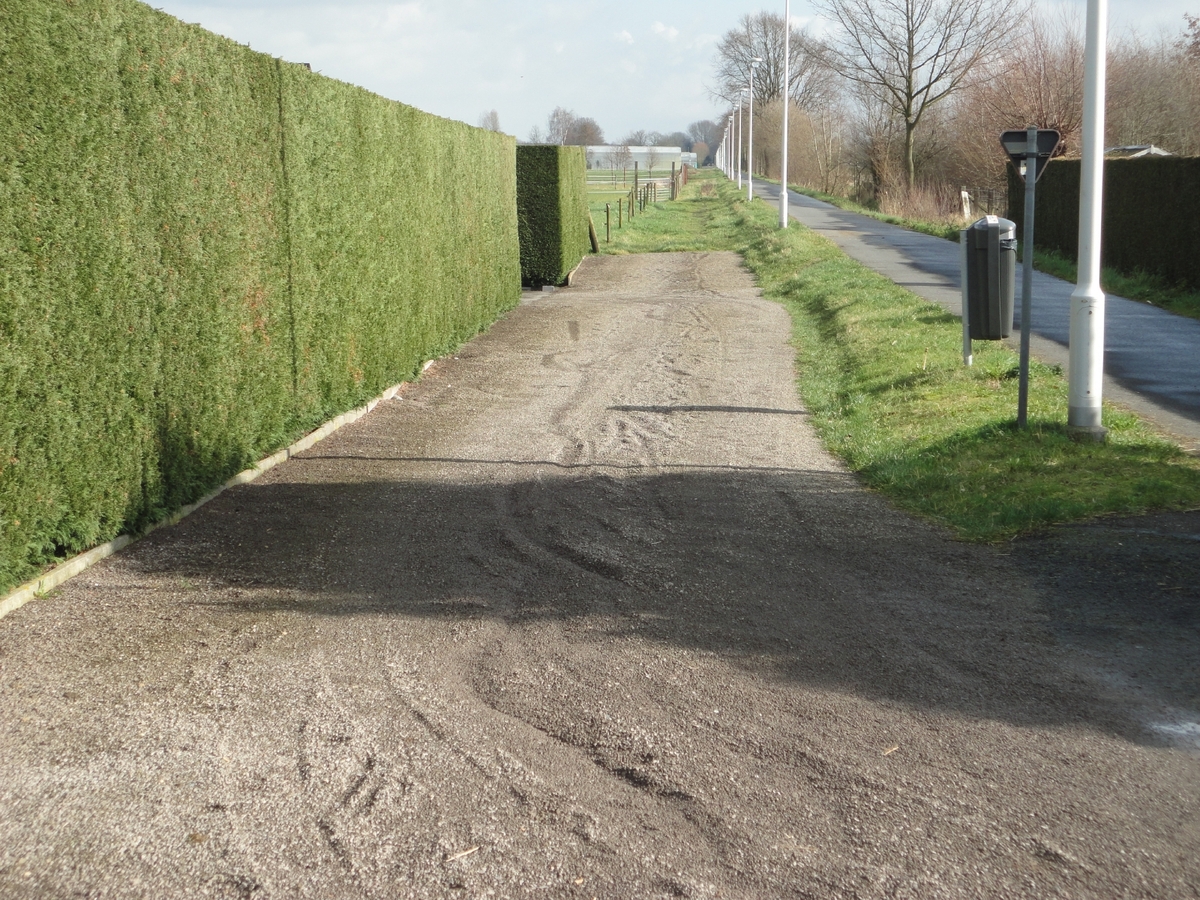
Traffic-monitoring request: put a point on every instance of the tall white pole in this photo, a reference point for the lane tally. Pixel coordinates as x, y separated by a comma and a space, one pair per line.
783, 160
728, 144
741, 106
750, 145
1086, 353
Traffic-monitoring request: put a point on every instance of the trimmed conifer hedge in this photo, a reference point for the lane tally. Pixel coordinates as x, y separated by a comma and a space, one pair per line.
203, 253
1151, 219
552, 211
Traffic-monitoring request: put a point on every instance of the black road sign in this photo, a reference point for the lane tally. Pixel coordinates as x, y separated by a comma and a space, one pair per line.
1015, 145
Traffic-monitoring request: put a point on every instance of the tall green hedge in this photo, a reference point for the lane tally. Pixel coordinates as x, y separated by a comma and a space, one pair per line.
203, 252
1151, 214
552, 211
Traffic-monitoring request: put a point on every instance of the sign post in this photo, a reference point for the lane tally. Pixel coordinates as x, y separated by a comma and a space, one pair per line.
1029, 151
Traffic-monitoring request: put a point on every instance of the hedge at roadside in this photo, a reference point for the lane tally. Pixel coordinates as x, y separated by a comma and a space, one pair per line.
1151, 214
552, 212
205, 252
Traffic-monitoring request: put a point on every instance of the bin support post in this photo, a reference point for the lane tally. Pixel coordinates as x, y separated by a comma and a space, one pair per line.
963, 237
1031, 155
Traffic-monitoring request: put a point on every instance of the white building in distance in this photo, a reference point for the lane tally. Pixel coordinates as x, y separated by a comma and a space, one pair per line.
608, 156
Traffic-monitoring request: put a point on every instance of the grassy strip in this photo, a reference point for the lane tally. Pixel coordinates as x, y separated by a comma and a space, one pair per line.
881, 371
946, 230
701, 219
1135, 286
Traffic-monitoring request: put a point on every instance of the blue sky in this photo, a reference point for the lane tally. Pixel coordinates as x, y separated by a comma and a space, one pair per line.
626, 64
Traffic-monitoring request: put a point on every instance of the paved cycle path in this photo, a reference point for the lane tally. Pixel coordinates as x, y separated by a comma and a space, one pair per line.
1152, 357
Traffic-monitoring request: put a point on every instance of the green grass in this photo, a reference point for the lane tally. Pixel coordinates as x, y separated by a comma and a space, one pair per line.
1142, 286
1136, 286
881, 371
701, 219
947, 230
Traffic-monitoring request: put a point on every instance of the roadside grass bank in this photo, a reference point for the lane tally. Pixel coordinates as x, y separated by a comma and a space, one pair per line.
1141, 286
1136, 286
881, 372
947, 230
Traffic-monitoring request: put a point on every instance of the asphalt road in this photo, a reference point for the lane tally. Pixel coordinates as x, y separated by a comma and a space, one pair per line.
1151, 357
588, 612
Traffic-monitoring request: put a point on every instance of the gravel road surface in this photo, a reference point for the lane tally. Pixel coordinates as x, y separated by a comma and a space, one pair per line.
588, 612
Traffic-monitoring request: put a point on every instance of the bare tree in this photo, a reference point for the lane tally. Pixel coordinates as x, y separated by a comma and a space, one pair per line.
584, 132
821, 152
706, 131
1041, 82
674, 139
873, 141
1190, 43
490, 120
559, 125
637, 138
761, 35
619, 156
536, 136
1153, 95
913, 54
652, 158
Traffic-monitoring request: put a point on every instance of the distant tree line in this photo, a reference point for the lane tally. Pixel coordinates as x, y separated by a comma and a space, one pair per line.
901, 103
563, 126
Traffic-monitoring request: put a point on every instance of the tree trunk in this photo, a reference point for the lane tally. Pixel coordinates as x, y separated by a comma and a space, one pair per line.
910, 168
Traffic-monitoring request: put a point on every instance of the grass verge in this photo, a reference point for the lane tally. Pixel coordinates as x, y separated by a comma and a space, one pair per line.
880, 369
1137, 286
1141, 286
701, 219
947, 230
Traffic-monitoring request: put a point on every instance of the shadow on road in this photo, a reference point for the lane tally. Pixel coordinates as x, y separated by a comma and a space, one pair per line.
764, 568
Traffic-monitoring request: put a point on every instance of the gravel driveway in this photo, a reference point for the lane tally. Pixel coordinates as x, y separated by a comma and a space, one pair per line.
588, 612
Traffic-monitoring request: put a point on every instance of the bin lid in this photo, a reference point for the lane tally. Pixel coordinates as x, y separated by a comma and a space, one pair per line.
1007, 227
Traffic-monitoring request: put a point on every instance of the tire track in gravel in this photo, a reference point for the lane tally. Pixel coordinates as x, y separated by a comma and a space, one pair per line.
587, 612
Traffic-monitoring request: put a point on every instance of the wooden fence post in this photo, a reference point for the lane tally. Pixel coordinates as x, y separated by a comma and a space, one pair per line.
608, 223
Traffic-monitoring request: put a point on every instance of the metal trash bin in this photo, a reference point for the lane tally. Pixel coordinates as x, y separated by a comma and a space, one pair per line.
991, 277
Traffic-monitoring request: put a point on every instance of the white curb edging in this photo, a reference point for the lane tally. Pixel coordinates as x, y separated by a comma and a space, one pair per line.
48, 581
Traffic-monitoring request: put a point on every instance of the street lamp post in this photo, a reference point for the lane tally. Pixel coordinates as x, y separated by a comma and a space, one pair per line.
1086, 348
750, 160
729, 157
741, 106
783, 160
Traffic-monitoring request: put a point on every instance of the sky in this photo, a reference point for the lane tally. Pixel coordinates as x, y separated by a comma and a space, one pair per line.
628, 65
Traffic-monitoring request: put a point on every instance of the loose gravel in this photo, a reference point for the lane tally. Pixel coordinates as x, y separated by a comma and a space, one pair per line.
587, 612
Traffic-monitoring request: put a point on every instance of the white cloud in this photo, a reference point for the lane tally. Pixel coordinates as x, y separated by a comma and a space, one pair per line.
402, 14
624, 37
667, 32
